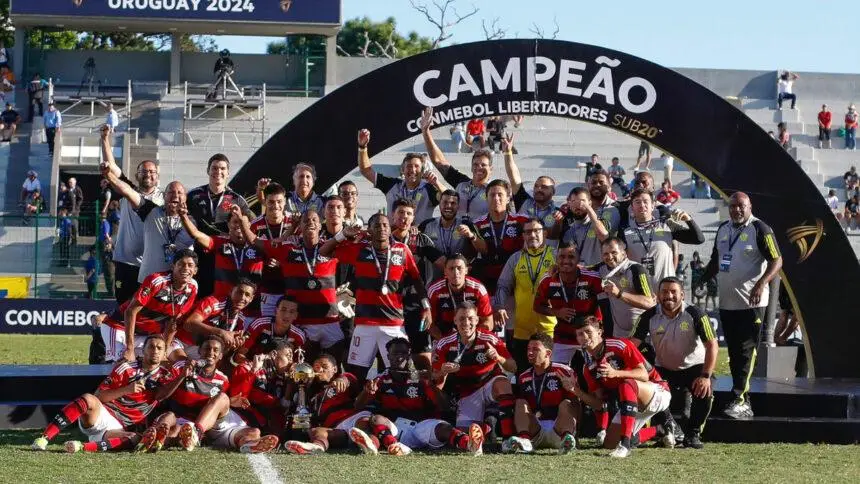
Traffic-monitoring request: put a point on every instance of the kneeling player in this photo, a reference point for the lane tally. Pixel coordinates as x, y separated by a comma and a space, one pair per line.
546, 411
406, 395
615, 365
265, 382
336, 418
125, 398
473, 358
264, 334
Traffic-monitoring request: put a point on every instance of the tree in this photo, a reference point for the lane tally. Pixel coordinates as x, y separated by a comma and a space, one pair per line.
364, 38
441, 19
297, 45
493, 31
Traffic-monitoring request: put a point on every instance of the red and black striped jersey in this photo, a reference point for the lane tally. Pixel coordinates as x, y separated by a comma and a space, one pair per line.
476, 368
214, 313
272, 281
265, 389
196, 391
410, 398
503, 240
372, 305
581, 296
231, 263
444, 301
316, 293
262, 337
329, 407
544, 393
621, 354
132, 408
160, 302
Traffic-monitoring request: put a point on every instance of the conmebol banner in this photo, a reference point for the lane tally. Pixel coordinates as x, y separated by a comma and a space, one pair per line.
50, 316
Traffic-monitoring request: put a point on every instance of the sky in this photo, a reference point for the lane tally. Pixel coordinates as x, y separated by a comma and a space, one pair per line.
731, 34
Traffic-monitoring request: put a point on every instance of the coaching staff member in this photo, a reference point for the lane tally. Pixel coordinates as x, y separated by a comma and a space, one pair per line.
745, 259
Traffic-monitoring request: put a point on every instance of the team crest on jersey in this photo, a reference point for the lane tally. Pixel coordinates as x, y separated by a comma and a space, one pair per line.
214, 391
329, 393
685, 326
481, 358
250, 253
582, 293
511, 231
412, 391
396, 259
552, 385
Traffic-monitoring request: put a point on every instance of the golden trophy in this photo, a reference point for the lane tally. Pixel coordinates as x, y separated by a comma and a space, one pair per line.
302, 374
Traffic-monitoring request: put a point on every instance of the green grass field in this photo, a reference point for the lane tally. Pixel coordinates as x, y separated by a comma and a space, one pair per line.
717, 463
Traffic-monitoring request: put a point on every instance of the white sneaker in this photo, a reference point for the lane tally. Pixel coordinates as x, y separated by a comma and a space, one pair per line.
363, 441
620, 452
601, 438
399, 449
188, 437
302, 448
40, 443
520, 445
476, 439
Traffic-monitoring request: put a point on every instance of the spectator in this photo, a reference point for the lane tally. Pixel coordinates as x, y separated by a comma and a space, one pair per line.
475, 132
825, 119
616, 172
784, 89
91, 275
681, 269
31, 184
35, 92
112, 120
787, 332
592, 165
668, 165
7, 82
852, 182
76, 196
9, 120
644, 156
496, 127
53, 123
783, 137
697, 285
851, 120
4, 55
33, 206
852, 212
105, 196
63, 196
106, 243
64, 236
833, 202
458, 136
667, 195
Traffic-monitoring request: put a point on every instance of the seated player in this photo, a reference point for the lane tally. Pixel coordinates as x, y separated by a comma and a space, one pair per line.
265, 382
162, 299
448, 293
403, 394
264, 334
336, 418
473, 360
125, 398
223, 318
614, 365
546, 410
201, 407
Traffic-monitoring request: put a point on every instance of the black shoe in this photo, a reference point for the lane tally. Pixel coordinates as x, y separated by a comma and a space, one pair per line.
694, 441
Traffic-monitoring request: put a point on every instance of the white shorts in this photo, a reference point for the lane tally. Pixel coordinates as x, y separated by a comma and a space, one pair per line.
659, 402
223, 434
420, 435
366, 340
104, 422
562, 353
114, 340
471, 408
349, 422
327, 335
546, 438
269, 303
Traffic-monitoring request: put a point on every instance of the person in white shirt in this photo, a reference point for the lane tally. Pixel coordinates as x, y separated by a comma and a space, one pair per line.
784, 89
833, 202
668, 165
31, 184
112, 120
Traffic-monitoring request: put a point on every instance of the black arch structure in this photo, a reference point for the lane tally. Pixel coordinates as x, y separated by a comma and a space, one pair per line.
697, 126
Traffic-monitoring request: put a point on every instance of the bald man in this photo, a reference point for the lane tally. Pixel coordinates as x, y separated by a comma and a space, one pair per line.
745, 259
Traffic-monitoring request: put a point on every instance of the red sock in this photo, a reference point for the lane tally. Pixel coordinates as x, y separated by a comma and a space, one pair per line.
67, 416
647, 434
117, 443
601, 417
506, 419
458, 439
628, 393
383, 433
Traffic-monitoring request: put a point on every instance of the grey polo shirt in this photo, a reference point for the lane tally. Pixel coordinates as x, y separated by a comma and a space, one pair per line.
582, 233
128, 243
160, 230
742, 254
650, 244
425, 196
632, 278
678, 342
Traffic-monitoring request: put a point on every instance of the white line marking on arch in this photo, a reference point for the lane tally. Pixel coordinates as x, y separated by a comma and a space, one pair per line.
264, 470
